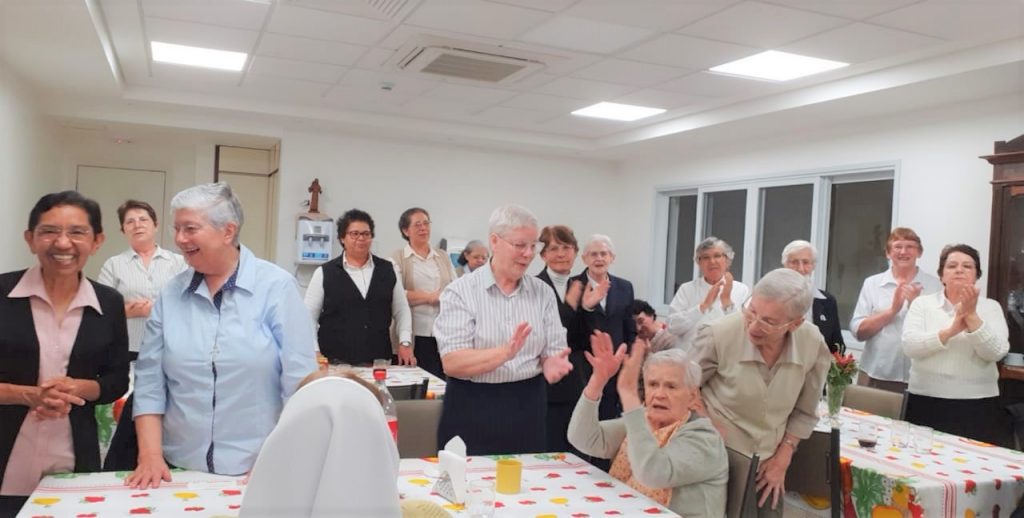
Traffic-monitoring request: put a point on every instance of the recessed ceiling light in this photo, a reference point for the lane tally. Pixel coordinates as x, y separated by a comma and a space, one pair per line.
774, 65
618, 112
198, 56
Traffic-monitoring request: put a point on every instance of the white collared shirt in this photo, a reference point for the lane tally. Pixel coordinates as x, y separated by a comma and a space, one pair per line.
126, 273
684, 316
883, 357
476, 314
425, 277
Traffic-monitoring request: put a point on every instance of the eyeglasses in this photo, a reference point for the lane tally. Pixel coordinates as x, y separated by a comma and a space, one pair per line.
420, 224
359, 234
711, 257
799, 262
766, 326
522, 247
556, 249
52, 233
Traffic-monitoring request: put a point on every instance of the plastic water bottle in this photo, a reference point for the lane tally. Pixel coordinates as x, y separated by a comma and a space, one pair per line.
390, 411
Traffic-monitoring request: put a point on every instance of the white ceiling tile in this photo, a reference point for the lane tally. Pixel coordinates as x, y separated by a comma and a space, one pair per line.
377, 10
991, 19
688, 52
237, 14
663, 99
761, 25
402, 84
630, 72
585, 127
323, 25
292, 69
446, 110
366, 100
502, 116
852, 9
477, 17
199, 35
472, 95
716, 85
305, 49
374, 58
552, 6
581, 34
584, 89
661, 15
530, 82
546, 103
284, 89
859, 43
403, 33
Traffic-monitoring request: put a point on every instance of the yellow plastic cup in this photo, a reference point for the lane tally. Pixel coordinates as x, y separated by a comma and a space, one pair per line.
510, 475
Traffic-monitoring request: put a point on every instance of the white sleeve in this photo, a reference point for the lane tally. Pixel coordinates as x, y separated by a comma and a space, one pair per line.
400, 312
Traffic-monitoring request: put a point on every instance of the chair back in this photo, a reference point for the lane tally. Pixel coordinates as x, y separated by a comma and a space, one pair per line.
413, 391
875, 401
814, 470
740, 499
417, 427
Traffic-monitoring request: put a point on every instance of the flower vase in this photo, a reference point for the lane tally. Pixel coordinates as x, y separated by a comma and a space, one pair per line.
834, 398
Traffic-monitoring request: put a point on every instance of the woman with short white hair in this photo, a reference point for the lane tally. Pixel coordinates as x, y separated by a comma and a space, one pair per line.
801, 256
712, 295
763, 370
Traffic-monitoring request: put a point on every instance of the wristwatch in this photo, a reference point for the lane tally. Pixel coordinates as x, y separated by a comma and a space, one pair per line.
791, 442
405, 344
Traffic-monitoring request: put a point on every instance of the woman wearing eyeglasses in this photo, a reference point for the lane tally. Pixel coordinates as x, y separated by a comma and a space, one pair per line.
710, 296
425, 272
353, 299
801, 256
47, 394
763, 370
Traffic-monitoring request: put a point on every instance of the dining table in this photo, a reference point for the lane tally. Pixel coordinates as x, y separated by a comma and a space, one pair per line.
552, 485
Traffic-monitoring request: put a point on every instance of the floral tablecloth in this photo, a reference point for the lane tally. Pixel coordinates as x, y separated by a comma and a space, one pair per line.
553, 485
959, 478
407, 375
81, 495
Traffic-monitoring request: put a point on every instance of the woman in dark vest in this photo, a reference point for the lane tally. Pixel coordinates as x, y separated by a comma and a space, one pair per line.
354, 297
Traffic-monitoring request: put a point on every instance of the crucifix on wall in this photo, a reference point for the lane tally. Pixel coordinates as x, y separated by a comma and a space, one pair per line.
314, 199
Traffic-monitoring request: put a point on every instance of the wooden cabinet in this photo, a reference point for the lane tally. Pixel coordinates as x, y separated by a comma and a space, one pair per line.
1006, 245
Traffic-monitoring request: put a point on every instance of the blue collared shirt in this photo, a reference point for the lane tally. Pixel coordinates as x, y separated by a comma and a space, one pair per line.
258, 346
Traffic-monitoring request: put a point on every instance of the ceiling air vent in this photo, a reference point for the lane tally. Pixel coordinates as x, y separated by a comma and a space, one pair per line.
466, 60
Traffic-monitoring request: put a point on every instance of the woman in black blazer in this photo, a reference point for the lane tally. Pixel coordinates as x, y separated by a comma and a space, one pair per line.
41, 310
802, 256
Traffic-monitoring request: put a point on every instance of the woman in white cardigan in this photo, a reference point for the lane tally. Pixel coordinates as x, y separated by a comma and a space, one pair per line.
954, 339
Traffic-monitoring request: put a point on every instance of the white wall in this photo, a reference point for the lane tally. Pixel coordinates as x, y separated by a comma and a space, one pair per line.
28, 165
458, 186
943, 189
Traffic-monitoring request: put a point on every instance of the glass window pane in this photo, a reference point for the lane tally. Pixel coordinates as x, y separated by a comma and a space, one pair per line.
725, 217
785, 216
859, 224
682, 212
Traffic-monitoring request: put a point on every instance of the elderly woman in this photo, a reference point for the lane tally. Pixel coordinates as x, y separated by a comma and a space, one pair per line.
558, 250
954, 339
801, 256
140, 272
425, 271
472, 257
605, 305
881, 308
710, 296
661, 447
47, 394
226, 344
355, 297
762, 374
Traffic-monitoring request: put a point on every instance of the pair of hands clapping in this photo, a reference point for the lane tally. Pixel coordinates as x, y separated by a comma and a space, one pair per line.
607, 361
590, 296
554, 367
721, 290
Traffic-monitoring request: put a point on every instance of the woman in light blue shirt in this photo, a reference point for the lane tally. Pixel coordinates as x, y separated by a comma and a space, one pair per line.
228, 341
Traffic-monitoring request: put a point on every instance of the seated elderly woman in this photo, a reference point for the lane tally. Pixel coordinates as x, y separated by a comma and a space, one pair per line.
226, 344
661, 447
762, 375
801, 256
954, 339
472, 257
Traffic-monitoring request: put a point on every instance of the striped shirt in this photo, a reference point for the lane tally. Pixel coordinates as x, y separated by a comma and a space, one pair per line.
476, 314
126, 273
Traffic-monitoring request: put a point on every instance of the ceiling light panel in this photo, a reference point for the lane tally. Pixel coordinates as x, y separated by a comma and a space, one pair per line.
579, 34
618, 112
773, 65
198, 56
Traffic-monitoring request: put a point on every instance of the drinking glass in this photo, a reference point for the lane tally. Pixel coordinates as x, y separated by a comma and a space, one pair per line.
867, 436
923, 437
480, 499
899, 434
380, 366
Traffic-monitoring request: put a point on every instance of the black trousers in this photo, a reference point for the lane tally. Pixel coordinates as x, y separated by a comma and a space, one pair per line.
427, 357
979, 419
495, 418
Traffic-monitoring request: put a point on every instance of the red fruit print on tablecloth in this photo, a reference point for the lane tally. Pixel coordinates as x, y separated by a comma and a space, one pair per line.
970, 487
141, 510
92, 499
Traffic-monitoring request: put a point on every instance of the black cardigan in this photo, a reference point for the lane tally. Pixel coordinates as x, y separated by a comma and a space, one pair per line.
100, 353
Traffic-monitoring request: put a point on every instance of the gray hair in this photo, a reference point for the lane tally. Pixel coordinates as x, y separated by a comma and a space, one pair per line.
796, 246
787, 287
677, 358
599, 238
216, 201
713, 242
511, 216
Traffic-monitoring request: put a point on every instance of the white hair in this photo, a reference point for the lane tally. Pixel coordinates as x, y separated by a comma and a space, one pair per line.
787, 287
599, 238
511, 216
215, 201
713, 242
677, 358
796, 246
